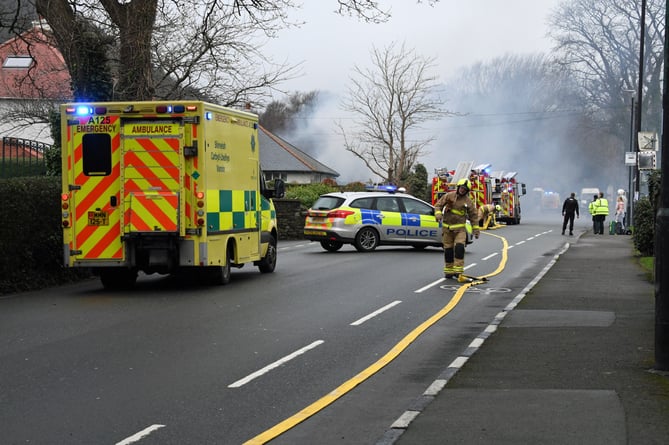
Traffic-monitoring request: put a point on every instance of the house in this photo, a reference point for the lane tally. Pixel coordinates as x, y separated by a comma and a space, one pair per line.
33, 76
281, 160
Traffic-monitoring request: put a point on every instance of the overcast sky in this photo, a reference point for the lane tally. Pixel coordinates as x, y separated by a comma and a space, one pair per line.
456, 33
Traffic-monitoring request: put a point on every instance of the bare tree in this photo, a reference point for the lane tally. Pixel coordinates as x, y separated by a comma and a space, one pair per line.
195, 46
389, 102
598, 44
369, 10
525, 113
201, 48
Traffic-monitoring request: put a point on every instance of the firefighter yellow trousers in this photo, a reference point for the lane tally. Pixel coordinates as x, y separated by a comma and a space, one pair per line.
454, 250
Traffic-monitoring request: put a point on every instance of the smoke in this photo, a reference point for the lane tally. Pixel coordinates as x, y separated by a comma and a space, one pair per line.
516, 113
315, 132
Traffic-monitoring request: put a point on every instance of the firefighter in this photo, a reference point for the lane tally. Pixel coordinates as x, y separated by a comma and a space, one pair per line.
454, 208
486, 211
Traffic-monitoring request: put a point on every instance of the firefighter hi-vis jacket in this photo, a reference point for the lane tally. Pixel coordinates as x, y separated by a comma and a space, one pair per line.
456, 210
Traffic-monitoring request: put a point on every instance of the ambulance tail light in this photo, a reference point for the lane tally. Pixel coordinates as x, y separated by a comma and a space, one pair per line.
199, 196
65, 206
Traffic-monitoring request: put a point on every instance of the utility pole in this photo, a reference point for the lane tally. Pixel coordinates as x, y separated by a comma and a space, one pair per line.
637, 121
662, 229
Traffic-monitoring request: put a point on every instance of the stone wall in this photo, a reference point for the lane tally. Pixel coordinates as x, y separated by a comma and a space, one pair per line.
290, 218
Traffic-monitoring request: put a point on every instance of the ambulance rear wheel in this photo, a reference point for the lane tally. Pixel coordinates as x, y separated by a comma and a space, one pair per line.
268, 263
222, 274
118, 279
366, 240
331, 246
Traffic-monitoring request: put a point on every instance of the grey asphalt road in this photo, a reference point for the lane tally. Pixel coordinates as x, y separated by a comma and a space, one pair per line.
175, 362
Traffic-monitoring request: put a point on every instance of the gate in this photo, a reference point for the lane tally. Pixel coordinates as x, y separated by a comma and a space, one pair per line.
22, 157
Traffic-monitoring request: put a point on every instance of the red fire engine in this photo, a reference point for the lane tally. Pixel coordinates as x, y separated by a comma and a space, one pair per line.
496, 188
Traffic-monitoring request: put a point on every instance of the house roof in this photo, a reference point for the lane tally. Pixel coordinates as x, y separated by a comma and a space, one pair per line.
32, 67
279, 155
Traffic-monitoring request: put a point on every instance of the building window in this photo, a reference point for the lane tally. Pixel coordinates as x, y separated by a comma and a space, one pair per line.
18, 62
276, 175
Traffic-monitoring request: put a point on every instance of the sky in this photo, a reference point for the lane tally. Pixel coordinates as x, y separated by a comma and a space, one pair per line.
455, 33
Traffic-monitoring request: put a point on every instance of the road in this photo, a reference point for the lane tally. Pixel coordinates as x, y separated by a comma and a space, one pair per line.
176, 362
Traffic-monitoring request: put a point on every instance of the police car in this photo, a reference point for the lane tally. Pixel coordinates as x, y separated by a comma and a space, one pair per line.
371, 219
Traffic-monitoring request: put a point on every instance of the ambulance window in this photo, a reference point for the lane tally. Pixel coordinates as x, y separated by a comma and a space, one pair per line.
96, 154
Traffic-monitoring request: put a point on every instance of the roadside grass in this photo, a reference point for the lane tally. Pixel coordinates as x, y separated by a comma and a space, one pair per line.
648, 264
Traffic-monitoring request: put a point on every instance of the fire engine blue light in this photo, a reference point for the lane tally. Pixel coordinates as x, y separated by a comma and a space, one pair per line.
208, 115
83, 110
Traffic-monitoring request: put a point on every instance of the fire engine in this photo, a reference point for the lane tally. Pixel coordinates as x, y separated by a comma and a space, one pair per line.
507, 194
161, 187
487, 187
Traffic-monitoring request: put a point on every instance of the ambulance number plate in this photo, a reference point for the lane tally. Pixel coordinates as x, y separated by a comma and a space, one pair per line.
98, 218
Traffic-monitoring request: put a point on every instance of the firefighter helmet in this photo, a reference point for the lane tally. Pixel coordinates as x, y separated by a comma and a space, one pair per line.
464, 182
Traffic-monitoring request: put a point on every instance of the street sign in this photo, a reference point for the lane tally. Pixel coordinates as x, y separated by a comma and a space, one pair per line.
647, 160
630, 158
648, 140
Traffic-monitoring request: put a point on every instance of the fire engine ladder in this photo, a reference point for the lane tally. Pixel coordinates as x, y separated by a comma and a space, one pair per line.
462, 171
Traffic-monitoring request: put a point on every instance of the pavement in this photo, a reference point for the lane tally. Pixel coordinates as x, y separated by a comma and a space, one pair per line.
569, 361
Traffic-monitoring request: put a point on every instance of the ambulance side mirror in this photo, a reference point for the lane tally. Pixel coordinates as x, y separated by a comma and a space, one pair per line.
278, 191
279, 188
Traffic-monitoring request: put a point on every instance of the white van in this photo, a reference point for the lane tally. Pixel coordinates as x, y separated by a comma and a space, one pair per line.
586, 196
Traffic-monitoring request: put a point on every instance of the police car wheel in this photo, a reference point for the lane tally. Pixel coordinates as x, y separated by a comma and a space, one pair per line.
331, 246
366, 240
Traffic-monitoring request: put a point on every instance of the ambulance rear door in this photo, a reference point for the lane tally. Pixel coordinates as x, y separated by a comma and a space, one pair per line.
93, 182
151, 166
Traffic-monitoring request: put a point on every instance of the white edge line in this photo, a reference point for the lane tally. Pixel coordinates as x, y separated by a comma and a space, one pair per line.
138, 436
405, 419
375, 313
276, 364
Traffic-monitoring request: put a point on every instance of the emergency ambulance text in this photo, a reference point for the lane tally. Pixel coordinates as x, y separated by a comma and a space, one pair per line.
96, 129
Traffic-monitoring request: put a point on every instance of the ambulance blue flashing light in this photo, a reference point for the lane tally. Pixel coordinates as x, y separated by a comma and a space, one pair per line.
83, 110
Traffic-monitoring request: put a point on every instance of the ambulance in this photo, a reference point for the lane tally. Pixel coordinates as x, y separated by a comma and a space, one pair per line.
162, 187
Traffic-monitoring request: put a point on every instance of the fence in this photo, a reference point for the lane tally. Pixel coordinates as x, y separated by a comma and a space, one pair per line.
22, 157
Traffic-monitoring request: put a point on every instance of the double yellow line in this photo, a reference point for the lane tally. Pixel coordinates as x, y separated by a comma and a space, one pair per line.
391, 355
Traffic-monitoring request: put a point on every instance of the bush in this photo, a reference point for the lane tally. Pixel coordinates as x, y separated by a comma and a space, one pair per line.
308, 194
644, 226
31, 238
645, 212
